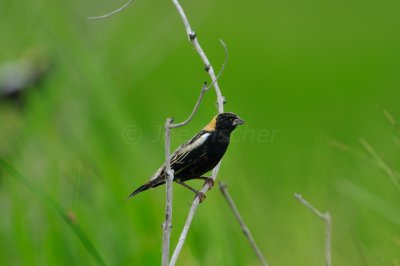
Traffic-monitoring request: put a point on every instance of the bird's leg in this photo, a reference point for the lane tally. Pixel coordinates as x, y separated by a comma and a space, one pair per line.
198, 193
207, 180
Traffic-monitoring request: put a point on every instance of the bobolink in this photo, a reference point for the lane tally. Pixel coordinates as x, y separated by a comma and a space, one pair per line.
199, 155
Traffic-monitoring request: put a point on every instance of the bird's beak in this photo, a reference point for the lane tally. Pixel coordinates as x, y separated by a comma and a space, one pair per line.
238, 121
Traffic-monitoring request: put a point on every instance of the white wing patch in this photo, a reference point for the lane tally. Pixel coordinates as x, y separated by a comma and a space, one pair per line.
198, 142
182, 151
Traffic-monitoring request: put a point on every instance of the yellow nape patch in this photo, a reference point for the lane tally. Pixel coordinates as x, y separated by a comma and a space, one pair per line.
211, 126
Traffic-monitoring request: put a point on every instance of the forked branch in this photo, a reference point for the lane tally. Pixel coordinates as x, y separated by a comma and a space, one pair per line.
169, 125
207, 65
170, 177
204, 88
220, 101
326, 217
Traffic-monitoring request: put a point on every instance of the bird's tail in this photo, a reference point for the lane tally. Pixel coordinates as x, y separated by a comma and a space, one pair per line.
151, 184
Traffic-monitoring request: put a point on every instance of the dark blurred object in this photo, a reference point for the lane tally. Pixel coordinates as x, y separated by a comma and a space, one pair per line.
19, 76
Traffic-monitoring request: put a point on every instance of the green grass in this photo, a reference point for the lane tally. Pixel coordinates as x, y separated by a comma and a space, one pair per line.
300, 74
68, 218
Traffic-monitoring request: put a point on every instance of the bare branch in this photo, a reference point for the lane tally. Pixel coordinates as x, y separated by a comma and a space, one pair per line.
170, 177
205, 188
189, 219
113, 12
196, 107
224, 190
220, 100
203, 91
326, 217
169, 125
208, 67
168, 208
222, 67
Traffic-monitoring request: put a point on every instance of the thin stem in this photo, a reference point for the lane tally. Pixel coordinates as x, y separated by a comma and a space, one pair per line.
112, 12
189, 219
326, 217
224, 190
222, 67
206, 187
168, 208
220, 101
204, 88
169, 125
208, 67
170, 177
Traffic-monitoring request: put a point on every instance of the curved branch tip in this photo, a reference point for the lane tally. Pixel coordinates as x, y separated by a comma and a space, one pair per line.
112, 12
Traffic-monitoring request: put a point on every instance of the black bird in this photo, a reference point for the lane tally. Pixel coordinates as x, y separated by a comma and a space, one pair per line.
199, 155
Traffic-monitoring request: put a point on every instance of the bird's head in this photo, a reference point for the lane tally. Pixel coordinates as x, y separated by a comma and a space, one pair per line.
224, 122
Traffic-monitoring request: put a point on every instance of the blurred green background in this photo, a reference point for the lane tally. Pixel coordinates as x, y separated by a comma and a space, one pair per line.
302, 75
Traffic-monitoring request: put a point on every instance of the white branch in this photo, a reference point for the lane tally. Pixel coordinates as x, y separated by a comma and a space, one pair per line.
113, 12
196, 107
170, 176
168, 183
189, 219
326, 217
221, 101
224, 190
169, 125
208, 67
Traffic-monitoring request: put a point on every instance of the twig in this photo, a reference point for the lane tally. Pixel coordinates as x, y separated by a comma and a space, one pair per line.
326, 217
169, 125
204, 88
170, 176
224, 190
222, 67
168, 183
189, 219
208, 67
220, 101
113, 12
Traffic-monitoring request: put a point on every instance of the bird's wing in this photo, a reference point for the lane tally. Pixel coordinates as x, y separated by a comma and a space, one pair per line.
178, 156
184, 150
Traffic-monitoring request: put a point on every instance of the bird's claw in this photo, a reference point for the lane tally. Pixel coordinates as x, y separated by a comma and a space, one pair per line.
201, 196
209, 181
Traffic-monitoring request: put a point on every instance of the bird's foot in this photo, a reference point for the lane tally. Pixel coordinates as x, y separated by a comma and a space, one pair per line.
209, 181
201, 196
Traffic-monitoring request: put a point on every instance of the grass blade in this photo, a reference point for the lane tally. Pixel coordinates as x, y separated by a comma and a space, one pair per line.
57, 208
